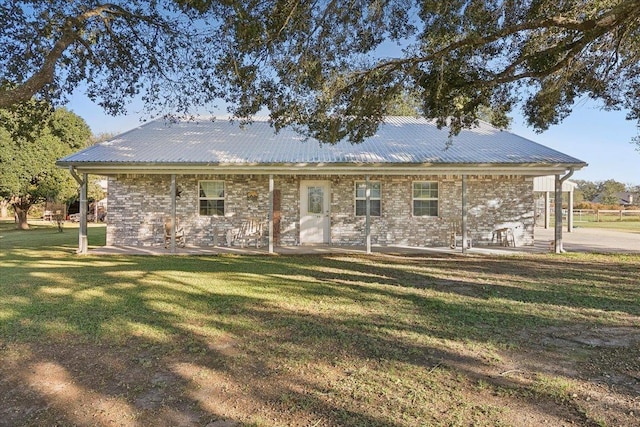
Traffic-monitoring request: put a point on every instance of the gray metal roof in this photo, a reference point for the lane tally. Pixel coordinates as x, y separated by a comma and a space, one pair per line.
399, 140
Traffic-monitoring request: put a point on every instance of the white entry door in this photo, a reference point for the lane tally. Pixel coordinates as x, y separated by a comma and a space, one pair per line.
314, 212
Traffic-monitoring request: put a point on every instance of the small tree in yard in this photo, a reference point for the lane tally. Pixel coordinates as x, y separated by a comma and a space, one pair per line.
588, 189
28, 174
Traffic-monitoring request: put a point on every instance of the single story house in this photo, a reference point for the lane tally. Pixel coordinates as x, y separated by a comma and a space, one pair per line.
628, 198
409, 184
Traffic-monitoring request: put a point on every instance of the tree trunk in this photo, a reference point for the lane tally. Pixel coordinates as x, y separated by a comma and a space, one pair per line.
21, 209
4, 204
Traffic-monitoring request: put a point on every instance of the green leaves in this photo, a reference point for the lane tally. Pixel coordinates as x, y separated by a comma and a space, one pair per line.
333, 69
457, 58
29, 150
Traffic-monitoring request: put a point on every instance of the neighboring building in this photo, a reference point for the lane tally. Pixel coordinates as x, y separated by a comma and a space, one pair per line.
628, 198
621, 198
223, 174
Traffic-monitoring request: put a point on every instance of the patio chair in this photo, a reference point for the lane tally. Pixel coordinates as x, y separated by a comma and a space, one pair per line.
251, 229
168, 229
504, 236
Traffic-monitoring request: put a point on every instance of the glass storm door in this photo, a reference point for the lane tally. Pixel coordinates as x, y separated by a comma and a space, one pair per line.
314, 212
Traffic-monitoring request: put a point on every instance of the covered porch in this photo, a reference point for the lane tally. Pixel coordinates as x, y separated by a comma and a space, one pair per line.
586, 240
540, 247
212, 236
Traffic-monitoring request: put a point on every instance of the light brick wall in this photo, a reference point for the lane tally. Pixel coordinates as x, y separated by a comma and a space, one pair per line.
139, 205
492, 202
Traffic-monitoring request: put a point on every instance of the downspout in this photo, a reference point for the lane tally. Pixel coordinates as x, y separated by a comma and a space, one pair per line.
83, 245
547, 210
570, 212
558, 211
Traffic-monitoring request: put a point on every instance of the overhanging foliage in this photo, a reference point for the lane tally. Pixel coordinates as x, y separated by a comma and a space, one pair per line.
333, 68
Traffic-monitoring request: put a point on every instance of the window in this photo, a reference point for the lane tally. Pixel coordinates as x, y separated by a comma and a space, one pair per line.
374, 197
425, 199
211, 198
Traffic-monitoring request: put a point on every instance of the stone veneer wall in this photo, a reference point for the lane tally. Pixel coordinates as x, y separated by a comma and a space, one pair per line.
139, 205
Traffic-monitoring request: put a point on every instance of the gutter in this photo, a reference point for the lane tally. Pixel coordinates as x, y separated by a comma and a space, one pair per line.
532, 169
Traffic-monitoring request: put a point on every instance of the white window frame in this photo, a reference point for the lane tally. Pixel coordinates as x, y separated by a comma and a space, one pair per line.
364, 197
425, 198
223, 198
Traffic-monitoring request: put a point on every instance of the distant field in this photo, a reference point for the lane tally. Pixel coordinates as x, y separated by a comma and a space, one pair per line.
629, 226
612, 221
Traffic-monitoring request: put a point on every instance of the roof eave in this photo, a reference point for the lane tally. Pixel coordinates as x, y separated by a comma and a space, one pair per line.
531, 169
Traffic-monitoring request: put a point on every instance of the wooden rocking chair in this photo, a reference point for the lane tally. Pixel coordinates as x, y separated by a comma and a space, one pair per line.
251, 229
168, 229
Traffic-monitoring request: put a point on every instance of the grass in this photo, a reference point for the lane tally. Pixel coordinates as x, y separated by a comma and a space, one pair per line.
308, 340
626, 225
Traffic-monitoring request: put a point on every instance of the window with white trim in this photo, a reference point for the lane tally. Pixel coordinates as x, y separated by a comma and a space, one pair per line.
211, 198
361, 198
425, 198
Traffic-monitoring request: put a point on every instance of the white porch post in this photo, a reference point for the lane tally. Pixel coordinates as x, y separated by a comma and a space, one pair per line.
547, 210
558, 216
83, 245
173, 213
271, 186
367, 223
464, 214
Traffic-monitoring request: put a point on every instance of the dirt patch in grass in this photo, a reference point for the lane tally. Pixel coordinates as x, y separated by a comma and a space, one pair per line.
73, 384
320, 340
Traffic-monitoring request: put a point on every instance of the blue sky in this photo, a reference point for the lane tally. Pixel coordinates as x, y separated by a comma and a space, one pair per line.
600, 138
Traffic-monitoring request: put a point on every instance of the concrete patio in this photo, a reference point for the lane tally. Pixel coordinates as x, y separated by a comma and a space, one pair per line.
580, 240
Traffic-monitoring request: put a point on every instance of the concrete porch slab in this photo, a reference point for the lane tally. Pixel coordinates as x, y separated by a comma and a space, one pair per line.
594, 240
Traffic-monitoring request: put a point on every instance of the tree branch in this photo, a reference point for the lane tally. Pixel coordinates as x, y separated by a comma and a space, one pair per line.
603, 24
69, 34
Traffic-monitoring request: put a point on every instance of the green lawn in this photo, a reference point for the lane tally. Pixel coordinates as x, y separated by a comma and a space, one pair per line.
628, 225
314, 340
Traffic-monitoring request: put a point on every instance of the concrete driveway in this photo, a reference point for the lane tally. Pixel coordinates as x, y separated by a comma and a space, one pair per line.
599, 240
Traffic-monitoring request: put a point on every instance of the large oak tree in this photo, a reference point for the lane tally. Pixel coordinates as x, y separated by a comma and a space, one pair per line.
114, 51
28, 152
334, 68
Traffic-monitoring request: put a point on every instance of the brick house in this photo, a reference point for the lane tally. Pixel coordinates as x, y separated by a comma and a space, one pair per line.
214, 176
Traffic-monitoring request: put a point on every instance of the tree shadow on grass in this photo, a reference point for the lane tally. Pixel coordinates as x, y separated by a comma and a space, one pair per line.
562, 282
289, 340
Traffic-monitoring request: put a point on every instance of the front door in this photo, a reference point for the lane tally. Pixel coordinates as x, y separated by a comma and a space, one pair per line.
314, 212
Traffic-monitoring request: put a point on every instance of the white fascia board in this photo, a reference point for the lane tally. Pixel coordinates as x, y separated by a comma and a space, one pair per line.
330, 169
